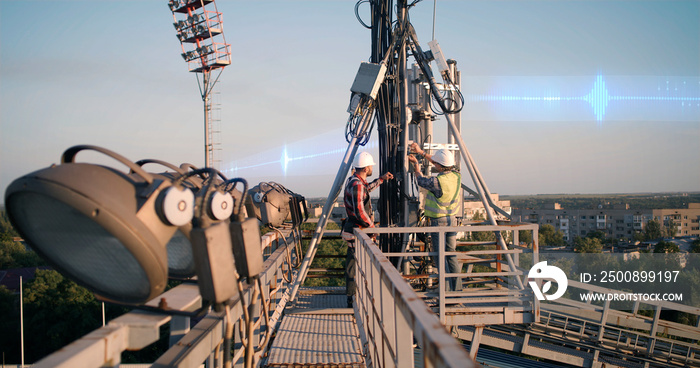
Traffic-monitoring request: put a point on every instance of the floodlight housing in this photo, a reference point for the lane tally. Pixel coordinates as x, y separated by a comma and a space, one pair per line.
179, 248
219, 207
274, 204
105, 229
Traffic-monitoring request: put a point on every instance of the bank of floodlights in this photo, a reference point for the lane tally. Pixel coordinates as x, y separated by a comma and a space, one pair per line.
198, 26
123, 234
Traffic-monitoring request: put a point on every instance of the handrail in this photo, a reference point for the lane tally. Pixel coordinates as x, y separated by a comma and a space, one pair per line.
389, 312
139, 328
391, 316
456, 297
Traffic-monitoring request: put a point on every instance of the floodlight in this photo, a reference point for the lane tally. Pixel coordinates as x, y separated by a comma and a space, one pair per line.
195, 18
179, 248
271, 206
274, 204
211, 241
220, 206
105, 229
204, 50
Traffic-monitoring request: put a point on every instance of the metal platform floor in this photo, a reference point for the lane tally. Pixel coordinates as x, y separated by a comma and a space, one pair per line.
319, 330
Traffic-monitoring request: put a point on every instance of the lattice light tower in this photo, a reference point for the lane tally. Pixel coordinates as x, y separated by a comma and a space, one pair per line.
198, 25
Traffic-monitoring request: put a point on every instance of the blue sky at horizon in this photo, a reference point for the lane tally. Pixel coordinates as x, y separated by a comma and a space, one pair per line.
109, 73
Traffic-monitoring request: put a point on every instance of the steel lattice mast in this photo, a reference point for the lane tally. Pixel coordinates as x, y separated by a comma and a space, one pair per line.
199, 27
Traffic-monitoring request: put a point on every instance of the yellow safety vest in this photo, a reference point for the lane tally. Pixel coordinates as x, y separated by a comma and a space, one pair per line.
448, 204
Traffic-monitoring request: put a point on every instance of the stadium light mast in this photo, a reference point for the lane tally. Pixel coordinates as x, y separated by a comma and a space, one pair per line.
198, 25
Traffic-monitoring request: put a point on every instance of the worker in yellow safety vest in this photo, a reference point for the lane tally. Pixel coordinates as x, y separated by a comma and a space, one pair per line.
441, 203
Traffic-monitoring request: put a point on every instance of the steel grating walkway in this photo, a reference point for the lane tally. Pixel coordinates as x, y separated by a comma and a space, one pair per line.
319, 331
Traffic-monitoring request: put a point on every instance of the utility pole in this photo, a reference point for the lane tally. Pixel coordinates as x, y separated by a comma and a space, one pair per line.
21, 321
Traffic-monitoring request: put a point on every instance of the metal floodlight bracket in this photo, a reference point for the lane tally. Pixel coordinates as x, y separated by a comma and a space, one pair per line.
369, 78
213, 258
247, 247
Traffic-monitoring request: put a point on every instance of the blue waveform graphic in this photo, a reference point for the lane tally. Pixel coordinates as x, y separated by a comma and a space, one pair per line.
523, 98
556, 98
598, 98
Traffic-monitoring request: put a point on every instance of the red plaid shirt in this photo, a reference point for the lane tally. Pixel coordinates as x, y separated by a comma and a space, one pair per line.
357, 202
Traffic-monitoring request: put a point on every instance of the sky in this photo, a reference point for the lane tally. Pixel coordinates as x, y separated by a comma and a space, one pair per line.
109, 73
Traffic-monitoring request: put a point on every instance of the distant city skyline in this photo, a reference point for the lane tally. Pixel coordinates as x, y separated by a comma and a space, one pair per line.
109, 73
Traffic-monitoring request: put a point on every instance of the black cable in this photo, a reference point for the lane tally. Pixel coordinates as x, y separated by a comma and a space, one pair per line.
454, 91
289, 255
355, 122
207, 185
226, 186
357, 13
424, 65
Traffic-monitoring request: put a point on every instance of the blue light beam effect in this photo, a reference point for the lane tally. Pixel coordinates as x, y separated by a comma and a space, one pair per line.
282, 164
312, 156
640, 98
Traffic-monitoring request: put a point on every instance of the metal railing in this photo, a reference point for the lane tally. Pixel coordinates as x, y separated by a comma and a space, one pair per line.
391, 316
190, 347
625, 330
492, 294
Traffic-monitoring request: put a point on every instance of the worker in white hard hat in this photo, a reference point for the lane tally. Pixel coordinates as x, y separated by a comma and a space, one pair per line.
441, 203
359, 210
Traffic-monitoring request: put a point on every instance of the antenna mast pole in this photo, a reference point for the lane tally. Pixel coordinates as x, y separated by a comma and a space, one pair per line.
208, 151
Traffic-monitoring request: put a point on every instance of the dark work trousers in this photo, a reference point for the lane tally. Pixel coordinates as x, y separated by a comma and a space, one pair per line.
451, 264
350, 286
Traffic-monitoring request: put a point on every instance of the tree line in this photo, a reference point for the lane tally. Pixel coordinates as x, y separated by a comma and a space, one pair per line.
57, 311
576, 202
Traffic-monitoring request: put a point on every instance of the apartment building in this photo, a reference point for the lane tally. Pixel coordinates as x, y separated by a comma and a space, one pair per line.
618, 222
687, 220
473, 207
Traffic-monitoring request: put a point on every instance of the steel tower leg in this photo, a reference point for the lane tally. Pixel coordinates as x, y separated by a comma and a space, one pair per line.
483, 191
403, 139
327, 207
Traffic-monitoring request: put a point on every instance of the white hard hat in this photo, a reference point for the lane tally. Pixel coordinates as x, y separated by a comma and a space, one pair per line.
363, 159
444, 157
